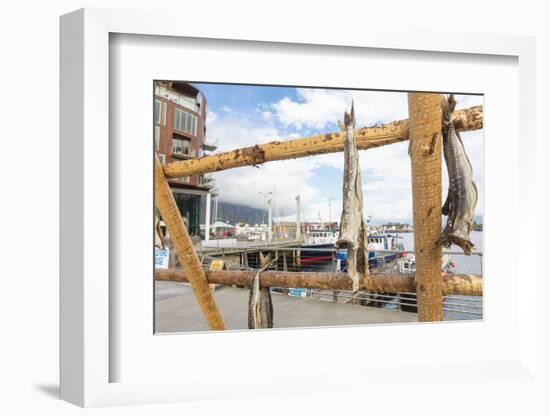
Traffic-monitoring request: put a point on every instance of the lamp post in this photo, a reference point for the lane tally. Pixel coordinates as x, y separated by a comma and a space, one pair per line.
265, 195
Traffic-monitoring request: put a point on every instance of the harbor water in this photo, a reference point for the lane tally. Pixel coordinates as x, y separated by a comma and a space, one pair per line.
455, 307
463, 264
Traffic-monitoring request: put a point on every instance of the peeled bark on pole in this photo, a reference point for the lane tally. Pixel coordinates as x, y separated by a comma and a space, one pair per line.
184, 247
458, 284
425, 152
366, 138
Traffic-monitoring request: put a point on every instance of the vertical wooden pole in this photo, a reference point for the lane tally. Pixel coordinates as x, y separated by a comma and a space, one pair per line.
333, 269
425, 152
184, 247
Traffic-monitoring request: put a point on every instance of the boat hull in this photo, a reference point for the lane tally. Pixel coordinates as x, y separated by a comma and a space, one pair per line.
316, 253
374, 258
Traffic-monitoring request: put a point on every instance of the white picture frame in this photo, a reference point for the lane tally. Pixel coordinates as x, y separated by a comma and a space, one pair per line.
87, 333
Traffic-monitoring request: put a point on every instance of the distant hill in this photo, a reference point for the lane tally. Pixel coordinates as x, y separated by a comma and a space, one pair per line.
235, 213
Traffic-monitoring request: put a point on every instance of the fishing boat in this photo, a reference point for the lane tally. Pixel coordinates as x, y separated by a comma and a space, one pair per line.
318, 246
378, 245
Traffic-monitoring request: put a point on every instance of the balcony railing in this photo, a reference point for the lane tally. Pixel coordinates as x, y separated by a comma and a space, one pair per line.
210, 144
180, 155
207, 181
177, 98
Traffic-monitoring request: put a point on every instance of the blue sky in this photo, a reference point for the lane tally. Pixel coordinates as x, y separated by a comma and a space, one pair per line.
242, 115
242, 97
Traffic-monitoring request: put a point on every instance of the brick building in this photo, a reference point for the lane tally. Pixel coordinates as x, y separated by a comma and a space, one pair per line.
180, 134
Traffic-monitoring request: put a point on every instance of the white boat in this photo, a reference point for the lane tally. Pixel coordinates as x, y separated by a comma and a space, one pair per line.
407, 263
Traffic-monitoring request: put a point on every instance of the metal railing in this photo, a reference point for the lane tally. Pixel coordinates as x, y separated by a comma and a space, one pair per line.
455, 307
210, 143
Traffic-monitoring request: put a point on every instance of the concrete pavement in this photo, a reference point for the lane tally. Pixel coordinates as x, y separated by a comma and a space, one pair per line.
177, 311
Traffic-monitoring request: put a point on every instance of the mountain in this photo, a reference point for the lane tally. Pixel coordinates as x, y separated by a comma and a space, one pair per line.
235, 213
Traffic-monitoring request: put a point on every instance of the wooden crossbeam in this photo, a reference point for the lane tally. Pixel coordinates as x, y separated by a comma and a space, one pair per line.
458, 284
366, 138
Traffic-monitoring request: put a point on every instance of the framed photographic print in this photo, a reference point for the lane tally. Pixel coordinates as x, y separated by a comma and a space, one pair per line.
288, 216
238, 210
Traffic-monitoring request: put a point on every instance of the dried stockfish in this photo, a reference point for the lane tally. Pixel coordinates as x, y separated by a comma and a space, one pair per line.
159, 237
353, 233
462, 196
260, 306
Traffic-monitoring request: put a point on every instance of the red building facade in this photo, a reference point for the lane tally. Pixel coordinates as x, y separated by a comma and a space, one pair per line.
180, 134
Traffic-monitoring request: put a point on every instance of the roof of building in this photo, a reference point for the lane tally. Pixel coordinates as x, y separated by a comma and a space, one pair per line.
185, 87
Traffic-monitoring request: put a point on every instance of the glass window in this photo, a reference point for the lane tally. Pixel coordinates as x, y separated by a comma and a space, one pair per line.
185, 121
157, 137
189, 207
181, 146
157, 111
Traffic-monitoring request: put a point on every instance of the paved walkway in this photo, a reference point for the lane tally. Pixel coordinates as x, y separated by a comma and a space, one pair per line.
177, 310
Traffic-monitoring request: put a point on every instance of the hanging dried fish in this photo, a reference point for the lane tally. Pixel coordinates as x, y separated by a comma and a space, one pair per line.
353, 233
159, 237
260, 306
462, 196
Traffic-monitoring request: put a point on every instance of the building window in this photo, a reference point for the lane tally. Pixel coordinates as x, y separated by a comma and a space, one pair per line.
185, 121
189, 207
157, 112
157, 137
181, 146
160, 113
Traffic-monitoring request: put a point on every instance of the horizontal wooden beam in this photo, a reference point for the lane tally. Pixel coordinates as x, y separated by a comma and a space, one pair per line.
366, 138
458, 284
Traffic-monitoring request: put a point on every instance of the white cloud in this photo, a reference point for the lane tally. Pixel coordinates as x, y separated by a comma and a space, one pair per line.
285, 179
320, 109
386, 170
243, 185
235, 130
387, 182
465, 101
211, 117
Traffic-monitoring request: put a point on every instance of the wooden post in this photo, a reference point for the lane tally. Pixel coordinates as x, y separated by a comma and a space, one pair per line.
184, 247
425, 152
